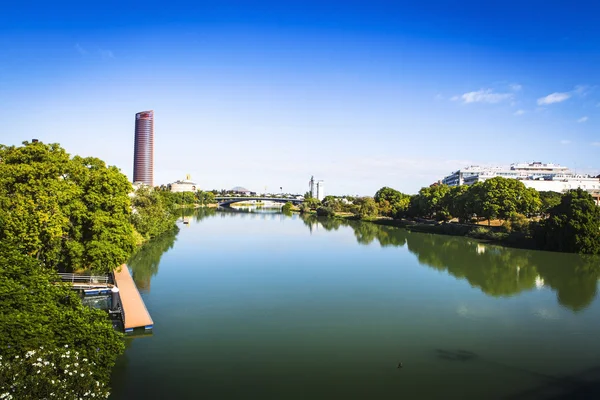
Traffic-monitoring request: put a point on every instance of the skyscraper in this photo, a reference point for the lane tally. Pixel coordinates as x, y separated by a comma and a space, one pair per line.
143, 153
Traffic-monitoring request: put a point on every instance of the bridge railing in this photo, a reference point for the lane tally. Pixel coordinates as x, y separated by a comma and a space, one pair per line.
75, 278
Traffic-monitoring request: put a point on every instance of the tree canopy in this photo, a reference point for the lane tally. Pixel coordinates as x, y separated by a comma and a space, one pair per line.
39, 315
66, 212
573, 225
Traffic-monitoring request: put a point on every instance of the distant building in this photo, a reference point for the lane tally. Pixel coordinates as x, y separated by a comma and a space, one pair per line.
542, 177
316, 188
186, 185
143, 151
320, 190
241, 190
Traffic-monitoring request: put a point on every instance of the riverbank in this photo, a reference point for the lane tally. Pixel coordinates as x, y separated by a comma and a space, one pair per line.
487, 234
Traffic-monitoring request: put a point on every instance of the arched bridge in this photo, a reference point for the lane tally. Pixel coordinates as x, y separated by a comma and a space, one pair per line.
227, 201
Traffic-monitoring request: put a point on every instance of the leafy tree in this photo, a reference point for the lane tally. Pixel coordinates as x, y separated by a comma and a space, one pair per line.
500, 197
151, 216
458, 203
325, 211
287, 207
516, 223
39, 314
549, 200
366, 207
429, 202
391, 202
205, 198
312, 203
69, 213
573, 225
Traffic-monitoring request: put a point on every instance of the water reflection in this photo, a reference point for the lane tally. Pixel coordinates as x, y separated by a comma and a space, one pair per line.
495, 270
144, 263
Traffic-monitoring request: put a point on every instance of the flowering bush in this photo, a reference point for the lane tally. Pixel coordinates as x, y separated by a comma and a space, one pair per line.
45, 331
59, 373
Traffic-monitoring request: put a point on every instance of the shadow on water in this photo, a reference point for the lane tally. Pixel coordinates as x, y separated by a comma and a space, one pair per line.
495, 270
584, 385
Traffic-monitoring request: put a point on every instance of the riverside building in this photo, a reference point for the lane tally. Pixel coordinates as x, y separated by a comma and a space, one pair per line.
537, 175
186, 185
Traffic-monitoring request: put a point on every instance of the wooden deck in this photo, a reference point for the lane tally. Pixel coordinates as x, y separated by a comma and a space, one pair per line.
135, 314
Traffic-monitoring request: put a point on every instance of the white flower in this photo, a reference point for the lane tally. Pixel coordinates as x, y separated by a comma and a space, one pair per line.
66, 346
70, 373
39, 359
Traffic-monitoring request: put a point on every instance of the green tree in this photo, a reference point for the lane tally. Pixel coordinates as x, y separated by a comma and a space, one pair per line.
392, 203
205, 198
430, 202
287, 207
500, 197
325, 211
38, 314
311, 203
573, 225
70, 213
458, 203
549, 200
366, 207
151, 216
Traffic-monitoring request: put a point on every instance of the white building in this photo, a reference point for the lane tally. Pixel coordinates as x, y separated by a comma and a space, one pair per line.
542, 177
185, 185
320, 190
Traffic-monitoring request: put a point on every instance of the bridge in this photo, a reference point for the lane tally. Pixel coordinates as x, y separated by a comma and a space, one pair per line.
227, 201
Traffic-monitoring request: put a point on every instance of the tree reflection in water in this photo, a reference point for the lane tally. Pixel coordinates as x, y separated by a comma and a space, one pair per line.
495, 270
144, 263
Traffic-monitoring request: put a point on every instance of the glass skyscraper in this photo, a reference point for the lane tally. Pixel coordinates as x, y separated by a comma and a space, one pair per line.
143, 153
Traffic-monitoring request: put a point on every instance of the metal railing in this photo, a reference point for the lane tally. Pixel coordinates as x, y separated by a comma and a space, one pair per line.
89, 279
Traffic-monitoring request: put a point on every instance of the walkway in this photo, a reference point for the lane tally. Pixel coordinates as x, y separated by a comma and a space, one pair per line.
135, 314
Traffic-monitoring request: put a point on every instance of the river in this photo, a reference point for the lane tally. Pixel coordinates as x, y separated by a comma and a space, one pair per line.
260, 305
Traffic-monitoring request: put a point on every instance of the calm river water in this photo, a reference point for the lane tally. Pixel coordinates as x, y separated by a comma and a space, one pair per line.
266, 306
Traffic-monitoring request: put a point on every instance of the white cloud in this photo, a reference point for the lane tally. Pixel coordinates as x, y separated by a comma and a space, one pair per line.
581, 90
515, 87
106, 54
483, 96
554, 98
80, 49
595, 143
565, 142
519, 112
582, 119
439, 97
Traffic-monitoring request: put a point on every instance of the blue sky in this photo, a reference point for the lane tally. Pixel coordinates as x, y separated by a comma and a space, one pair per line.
361, 94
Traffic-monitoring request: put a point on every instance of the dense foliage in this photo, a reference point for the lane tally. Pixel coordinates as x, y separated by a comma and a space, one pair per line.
572, 226
154, 212
66, 212
40, 318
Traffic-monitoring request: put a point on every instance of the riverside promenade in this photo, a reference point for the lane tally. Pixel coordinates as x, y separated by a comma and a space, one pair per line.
135, 314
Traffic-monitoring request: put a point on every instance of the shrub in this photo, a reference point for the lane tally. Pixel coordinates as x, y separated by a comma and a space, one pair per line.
325, 212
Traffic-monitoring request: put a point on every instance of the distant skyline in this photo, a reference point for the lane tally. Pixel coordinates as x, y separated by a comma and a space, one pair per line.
265, 94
